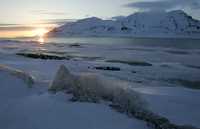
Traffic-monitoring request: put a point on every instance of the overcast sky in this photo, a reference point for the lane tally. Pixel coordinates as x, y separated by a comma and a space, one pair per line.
35, 11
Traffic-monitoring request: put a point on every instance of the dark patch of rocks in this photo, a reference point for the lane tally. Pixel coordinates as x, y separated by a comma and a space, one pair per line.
138, 81
192, 66
108, 68
52, 55
43, 56
133, 63
177, 52
153, 120
133, 72
75, 45
186, 83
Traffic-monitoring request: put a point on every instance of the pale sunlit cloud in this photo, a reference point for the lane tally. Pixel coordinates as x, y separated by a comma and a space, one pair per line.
46, 12
165, 4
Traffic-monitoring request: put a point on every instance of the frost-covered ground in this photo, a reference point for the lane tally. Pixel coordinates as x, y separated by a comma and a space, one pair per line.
168, 78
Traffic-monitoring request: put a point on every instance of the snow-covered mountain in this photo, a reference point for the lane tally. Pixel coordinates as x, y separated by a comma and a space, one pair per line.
143, 24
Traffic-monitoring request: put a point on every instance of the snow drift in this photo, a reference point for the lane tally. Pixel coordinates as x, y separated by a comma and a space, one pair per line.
18, 73
92, 87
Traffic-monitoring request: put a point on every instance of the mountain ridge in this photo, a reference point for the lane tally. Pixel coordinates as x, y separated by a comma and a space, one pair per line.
142, 24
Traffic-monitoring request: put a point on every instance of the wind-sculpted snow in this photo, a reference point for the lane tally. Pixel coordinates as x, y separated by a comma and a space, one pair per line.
141, 24
18, 73
93, 88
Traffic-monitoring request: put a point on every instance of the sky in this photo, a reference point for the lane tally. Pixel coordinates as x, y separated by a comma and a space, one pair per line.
25, 15
29, 11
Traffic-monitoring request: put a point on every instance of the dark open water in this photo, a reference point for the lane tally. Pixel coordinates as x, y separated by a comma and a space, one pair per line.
145, 42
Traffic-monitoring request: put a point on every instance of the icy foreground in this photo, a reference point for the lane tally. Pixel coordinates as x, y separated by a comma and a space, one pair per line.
169, 86
24, 108
142, 24
91, 88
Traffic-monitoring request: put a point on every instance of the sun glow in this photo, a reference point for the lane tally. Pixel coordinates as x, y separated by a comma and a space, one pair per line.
40, 32
41, 40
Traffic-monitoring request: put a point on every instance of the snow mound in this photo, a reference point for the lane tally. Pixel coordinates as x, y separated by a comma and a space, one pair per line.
18, 73
92, 87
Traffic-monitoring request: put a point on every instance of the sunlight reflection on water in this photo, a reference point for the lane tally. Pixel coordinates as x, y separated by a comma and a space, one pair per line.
41, 40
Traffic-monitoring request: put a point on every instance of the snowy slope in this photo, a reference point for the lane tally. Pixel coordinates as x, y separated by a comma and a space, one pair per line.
142, 24
35, 108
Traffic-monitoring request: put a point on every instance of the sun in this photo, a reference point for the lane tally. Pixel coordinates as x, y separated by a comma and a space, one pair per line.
40, 32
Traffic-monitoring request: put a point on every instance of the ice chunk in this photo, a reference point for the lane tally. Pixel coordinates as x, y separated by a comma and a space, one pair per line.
63, 80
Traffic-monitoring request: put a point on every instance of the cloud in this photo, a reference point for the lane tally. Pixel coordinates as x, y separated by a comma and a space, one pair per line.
47, 23
6, 24
46, 12
165, 5
14, 28
56, 21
